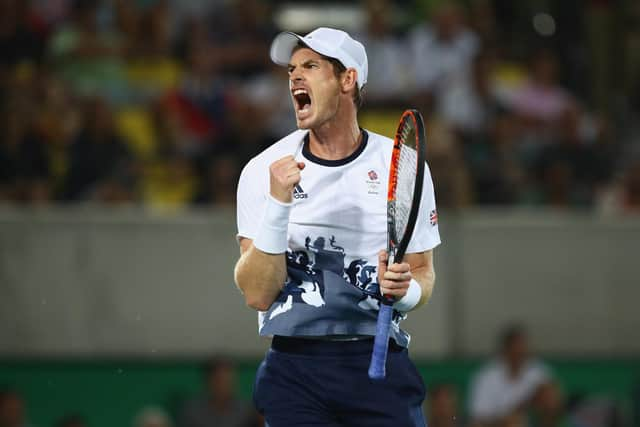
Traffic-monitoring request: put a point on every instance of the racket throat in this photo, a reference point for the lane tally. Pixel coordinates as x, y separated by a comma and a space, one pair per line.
392, 240
391, 256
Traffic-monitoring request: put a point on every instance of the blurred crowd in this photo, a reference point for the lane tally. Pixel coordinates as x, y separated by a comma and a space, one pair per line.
514, 388
217, 406
161, 102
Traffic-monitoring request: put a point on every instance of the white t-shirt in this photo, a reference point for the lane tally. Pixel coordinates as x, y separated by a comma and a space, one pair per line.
495, 394
336, 228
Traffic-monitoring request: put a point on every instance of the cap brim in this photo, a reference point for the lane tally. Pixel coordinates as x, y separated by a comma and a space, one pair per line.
282, 47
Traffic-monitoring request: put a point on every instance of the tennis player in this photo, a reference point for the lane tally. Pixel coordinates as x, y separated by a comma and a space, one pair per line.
312, 232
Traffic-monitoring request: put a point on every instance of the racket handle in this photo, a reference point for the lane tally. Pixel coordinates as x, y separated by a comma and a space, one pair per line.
377, 368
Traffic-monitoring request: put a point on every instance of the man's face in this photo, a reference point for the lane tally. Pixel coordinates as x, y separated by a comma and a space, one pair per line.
221, 382
443, 404
517, 351
315, 89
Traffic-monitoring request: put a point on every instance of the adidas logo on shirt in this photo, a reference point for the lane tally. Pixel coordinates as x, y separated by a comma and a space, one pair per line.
298, 192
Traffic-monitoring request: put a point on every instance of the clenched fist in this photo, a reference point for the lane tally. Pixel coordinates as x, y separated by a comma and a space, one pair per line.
284, 174
393, 279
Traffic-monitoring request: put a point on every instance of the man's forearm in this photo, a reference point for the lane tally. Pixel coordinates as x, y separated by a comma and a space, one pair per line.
426, 277
422, 272
260, 276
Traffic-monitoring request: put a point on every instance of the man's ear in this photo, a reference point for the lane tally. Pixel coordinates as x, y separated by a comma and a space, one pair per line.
349, 79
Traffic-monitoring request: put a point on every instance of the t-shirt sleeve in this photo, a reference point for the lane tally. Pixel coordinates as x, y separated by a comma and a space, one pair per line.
426, 235
250, 200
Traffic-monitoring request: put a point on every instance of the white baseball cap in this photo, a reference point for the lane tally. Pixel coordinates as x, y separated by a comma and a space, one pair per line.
328, 42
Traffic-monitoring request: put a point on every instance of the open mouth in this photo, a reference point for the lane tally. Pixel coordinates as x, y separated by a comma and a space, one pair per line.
303, 100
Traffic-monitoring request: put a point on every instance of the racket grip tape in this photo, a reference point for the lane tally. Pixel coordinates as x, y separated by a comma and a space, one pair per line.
377, 368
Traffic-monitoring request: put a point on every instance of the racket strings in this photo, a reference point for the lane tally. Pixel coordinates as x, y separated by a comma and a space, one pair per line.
407, 166
404, 135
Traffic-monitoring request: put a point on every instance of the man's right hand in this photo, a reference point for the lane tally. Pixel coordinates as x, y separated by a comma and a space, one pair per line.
284, 174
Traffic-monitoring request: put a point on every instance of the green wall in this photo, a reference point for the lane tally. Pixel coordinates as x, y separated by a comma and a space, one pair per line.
110, 392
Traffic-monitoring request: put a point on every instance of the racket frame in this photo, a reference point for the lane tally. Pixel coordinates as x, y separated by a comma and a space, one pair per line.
396, 248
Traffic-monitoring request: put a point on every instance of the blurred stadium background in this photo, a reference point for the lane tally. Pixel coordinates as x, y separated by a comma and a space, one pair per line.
125, 124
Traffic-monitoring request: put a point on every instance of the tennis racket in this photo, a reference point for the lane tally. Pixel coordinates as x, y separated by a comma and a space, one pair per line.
403, 202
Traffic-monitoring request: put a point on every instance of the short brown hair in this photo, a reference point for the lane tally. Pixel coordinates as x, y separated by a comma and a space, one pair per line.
338, 69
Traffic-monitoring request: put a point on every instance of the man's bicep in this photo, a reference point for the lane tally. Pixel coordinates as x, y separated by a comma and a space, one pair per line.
426, 235
249, 201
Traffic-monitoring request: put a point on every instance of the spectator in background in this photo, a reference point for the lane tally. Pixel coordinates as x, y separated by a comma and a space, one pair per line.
389, 78
219, 406
169, 183
200, 105
560, 146
487, 133
632, 56
443, 56
101, 167
623, 195
56, 53
475, 107
152, 416
89, 57
24, 163
220, 181
448, 169
57, 120
151, 69
126, 18
503, 388
49, 13
549, 408
12, 412
240, 40
168, 179
482, 19
182, 11
442, 406
541, 103
569, 170
270, 112
19, 39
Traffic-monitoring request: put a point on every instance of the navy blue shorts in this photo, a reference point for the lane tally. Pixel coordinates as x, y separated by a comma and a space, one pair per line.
304, 382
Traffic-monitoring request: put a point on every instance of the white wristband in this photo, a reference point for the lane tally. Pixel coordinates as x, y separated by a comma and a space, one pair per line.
411, 298
272, 234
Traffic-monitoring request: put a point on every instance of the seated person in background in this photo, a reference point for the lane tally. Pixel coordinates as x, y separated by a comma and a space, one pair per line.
505, 385
101, 166
542, 102
549, 408
442, 406
622, 196
12, 413
151, 416
219, 406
